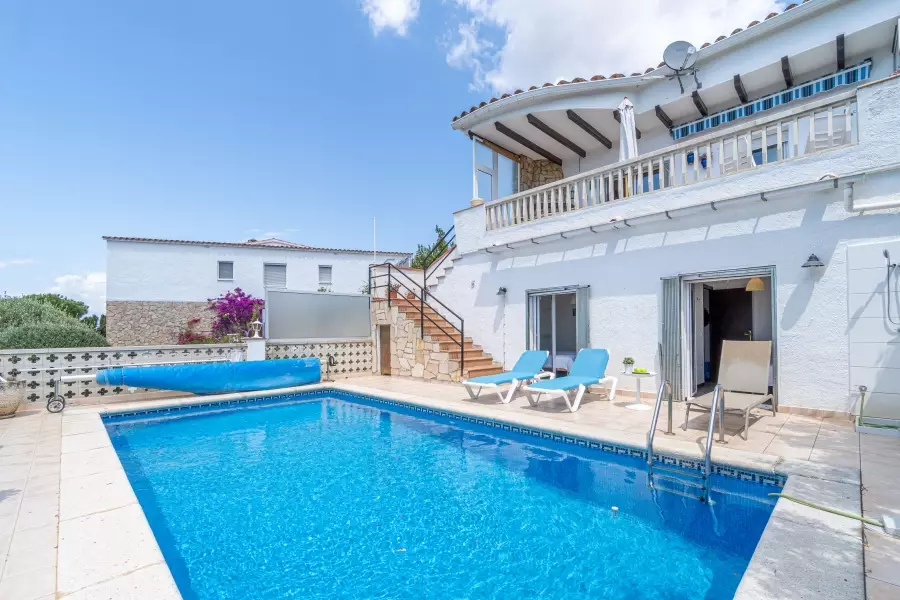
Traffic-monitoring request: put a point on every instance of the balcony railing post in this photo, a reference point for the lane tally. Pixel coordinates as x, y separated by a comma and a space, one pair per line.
389, 288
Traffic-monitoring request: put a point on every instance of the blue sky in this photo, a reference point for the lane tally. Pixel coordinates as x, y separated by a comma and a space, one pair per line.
227, 119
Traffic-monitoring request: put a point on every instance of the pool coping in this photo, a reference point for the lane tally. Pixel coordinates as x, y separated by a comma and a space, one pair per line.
776, 570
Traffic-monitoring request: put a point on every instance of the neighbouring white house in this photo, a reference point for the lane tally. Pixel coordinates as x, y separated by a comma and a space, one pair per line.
763, 204
155, 286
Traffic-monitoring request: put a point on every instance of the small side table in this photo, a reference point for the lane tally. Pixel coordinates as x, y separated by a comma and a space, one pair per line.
638, 404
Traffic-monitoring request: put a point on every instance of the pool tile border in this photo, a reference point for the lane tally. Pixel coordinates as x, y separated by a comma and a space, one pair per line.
687, 464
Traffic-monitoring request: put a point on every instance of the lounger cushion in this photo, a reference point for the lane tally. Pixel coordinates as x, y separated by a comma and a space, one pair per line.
563, 383
501, 378
531, 361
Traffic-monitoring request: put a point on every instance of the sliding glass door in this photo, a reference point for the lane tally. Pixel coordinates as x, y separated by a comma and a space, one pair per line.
558, 322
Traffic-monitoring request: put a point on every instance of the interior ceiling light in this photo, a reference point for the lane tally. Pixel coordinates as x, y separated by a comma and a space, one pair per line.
755, 285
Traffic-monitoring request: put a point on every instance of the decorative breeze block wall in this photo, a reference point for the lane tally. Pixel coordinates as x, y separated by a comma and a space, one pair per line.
353, 358
41, 368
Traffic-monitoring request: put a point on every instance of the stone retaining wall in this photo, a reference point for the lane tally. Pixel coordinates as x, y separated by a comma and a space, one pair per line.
411, 356
137, 323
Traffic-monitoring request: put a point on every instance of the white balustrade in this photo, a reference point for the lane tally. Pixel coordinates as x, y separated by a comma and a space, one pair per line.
809, 129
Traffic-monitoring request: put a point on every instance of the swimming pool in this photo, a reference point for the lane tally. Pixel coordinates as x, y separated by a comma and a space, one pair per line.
323, 496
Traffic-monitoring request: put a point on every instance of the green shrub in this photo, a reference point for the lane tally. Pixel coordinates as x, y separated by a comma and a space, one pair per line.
50, 335
16, 312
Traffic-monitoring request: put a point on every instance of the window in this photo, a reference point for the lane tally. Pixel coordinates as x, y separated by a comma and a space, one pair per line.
324, 274
226, 270
275, 276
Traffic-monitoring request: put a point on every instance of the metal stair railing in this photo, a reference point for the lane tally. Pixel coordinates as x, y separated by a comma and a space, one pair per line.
663, 387
718, 406
393, 284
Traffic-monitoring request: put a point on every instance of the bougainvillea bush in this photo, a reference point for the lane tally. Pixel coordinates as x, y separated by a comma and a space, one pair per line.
234, 312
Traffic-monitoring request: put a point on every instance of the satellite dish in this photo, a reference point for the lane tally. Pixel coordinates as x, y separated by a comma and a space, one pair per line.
680, 56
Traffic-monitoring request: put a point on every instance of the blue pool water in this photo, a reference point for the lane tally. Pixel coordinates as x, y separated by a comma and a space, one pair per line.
329, 498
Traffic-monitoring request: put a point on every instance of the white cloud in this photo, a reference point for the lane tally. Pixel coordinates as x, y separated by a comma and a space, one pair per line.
563, 39
16, 262
391, 14
89, 288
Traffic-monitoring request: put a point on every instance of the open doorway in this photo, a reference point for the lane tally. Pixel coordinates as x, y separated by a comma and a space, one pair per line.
558, 323
727, 308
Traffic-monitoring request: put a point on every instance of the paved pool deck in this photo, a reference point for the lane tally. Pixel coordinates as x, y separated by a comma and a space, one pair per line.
71, 527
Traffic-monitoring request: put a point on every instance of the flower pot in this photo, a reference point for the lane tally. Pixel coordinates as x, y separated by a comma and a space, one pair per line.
690, 158
629, 369
703, 160
12, 393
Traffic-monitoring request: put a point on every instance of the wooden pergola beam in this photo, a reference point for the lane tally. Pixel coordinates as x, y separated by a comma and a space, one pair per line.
841, 62
662, 116
516, 137
618, 119
549, 131
739, 88
786, 71
590, 129
496, 147
699, 103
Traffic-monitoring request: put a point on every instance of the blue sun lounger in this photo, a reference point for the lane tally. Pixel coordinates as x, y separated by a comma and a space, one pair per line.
527, 368
589, 368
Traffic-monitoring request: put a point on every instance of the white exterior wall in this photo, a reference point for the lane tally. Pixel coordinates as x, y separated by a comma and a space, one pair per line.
815, 309
142, 271
624, 273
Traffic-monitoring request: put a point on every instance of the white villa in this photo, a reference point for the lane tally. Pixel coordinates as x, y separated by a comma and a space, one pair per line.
155, 286
760, 206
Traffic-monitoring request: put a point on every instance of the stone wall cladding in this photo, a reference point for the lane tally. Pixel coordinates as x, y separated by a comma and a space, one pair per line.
534, 173
137, 323
411, 356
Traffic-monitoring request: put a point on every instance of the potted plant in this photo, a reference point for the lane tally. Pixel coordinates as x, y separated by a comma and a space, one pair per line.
628, 363
12, 393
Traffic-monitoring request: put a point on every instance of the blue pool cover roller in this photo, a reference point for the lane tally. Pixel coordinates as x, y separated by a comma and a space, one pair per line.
217, 378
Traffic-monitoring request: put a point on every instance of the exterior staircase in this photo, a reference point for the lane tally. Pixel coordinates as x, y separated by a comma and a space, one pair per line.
477, 362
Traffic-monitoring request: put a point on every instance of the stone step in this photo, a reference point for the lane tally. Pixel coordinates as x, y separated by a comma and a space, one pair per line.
452, 339
451, 346
480, 371
480, 360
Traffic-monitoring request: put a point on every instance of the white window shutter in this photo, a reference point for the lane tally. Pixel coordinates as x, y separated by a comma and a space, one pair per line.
275, 276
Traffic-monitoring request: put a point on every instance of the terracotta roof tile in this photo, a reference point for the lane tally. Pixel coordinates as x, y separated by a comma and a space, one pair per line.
770, 15
579, 80
548, 84
736, 31
705, 45
752, 23
789, 7
534, 87
598, 77
268, 245
617, 76
649, 70
720, 38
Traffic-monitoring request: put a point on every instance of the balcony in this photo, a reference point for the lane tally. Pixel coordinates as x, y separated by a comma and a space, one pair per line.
805, 130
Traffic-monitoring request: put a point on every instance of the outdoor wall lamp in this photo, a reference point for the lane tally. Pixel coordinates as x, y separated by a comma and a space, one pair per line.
256, 329
501, 291
812, 261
